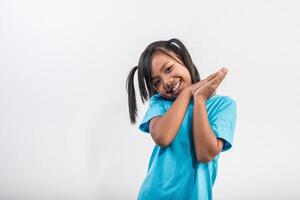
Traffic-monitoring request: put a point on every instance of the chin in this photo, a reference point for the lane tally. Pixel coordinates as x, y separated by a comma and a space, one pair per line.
173, 97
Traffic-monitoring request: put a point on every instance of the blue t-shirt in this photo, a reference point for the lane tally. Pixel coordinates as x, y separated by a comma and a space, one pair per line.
174, 172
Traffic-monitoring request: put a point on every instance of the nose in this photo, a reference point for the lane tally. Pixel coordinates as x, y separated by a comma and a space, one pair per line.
168, 85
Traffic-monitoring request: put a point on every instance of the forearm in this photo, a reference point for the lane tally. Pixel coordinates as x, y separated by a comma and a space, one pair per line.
205, 142
169, 124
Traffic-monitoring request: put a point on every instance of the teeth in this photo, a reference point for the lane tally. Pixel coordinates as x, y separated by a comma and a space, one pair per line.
176, 87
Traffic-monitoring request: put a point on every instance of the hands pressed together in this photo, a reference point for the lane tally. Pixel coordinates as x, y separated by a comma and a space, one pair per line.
208, 86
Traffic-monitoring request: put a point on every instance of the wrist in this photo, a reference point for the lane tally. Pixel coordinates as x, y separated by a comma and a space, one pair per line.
199, 98
188, 90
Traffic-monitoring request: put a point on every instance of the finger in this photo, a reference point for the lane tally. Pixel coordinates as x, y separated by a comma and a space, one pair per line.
224, 70
212, 84
212, 76
216, 81
215, 77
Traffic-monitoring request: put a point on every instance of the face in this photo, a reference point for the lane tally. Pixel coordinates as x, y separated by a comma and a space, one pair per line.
169, 75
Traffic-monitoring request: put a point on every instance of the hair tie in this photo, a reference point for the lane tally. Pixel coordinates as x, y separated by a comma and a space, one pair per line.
175, 44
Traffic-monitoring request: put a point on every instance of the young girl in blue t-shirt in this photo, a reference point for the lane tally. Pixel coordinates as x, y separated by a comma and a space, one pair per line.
189, 123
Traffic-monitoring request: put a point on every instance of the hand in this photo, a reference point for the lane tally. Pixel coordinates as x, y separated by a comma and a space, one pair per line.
192, 88
209, 87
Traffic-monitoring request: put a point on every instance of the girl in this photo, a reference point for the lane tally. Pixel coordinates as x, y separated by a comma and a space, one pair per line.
188, 122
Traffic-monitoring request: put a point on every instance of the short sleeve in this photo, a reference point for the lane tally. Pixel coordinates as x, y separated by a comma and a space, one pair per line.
224, 122
156, 108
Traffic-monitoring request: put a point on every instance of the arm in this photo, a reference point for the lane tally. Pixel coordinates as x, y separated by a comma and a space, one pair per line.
206, 145
165, 128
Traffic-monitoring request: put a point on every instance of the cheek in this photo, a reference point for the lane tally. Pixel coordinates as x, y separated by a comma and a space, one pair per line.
160, 89
157, 89
187, 77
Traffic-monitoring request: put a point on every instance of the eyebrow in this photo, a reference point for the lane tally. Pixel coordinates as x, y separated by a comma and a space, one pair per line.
154, 77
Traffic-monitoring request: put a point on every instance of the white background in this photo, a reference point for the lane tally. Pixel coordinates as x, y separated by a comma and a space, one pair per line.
64, 124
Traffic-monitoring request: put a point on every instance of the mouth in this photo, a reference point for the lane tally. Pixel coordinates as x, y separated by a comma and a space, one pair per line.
175, 89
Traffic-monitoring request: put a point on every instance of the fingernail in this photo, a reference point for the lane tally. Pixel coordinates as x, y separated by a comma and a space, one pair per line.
224, 69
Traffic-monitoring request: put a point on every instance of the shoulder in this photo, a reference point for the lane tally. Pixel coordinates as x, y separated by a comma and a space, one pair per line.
220, 99
219, 102
157, 101
156, 98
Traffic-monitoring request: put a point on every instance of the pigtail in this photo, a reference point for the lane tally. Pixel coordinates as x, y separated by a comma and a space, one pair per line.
144, 74
131, 96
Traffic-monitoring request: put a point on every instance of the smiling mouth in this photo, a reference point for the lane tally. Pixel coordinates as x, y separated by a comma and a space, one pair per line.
175, 89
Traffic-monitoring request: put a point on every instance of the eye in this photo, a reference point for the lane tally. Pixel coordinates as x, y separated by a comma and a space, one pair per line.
169, 69
155, 84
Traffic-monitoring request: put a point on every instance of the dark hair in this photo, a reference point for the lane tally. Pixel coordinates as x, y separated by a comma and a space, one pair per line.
144, 71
